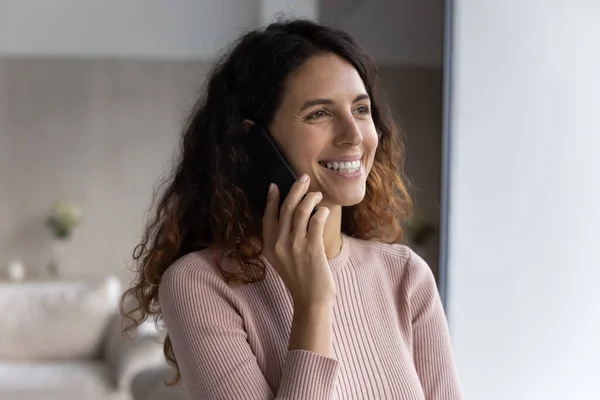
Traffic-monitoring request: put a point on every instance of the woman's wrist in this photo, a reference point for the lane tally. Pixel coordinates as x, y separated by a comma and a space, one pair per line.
312, 329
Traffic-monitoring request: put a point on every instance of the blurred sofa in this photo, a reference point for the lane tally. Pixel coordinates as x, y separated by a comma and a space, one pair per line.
150, 385
62, 341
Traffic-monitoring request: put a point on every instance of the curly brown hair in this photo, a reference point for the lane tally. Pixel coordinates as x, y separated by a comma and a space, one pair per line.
203, 203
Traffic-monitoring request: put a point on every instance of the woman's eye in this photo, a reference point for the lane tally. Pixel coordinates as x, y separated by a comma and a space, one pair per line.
318, 114
364, 110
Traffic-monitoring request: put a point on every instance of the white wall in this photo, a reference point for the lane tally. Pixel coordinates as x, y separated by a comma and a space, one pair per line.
100, 133
524, 298
143, 28
396, 32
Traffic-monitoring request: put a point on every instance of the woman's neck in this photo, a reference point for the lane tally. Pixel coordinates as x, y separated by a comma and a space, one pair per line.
332, 233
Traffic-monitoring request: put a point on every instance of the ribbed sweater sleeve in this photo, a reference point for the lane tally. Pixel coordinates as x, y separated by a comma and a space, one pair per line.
432, 351
203, 320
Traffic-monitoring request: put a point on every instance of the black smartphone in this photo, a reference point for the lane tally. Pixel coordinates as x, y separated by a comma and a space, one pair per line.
267, 164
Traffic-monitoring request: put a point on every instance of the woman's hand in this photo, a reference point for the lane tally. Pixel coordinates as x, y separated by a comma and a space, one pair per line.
293, 244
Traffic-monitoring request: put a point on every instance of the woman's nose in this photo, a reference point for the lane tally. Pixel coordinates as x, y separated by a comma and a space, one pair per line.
349, 133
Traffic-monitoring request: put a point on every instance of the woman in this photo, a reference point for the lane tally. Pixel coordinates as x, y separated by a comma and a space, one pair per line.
276, 303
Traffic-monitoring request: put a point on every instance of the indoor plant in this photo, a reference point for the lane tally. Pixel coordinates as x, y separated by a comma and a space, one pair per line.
63, 217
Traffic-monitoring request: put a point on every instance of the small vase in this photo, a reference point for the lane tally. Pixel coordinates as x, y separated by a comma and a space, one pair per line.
16, 271
57, 257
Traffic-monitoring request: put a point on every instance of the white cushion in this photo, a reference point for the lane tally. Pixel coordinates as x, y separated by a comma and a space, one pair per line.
56, 320
39, 380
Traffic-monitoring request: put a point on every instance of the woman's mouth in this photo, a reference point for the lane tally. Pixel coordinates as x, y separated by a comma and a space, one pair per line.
343, 168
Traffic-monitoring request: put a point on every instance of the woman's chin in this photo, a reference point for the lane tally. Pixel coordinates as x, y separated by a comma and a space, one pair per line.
350, 203
346, 200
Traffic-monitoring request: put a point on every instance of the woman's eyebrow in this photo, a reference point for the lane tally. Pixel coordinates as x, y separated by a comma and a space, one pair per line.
320, 101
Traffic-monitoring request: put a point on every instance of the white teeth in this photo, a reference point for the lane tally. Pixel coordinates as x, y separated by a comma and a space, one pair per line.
349, 167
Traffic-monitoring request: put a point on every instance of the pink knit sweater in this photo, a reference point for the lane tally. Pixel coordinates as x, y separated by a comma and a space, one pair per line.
390, 334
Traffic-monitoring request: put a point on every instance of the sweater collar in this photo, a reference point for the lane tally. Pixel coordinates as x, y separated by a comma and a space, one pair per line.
342, 258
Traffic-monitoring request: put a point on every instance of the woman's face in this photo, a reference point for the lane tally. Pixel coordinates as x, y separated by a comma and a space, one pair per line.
324, 128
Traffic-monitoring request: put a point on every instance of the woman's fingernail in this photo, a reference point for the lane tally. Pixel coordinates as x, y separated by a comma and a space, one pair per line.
271, 188
304, 178
319, 194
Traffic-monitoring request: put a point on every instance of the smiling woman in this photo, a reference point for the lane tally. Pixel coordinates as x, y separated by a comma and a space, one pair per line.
282, 303
325, 118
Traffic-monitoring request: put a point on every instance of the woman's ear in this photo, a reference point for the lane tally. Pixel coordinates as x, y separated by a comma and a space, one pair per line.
247, 124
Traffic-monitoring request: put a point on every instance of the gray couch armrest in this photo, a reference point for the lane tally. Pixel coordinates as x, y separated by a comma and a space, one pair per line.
150, 385
128, 355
